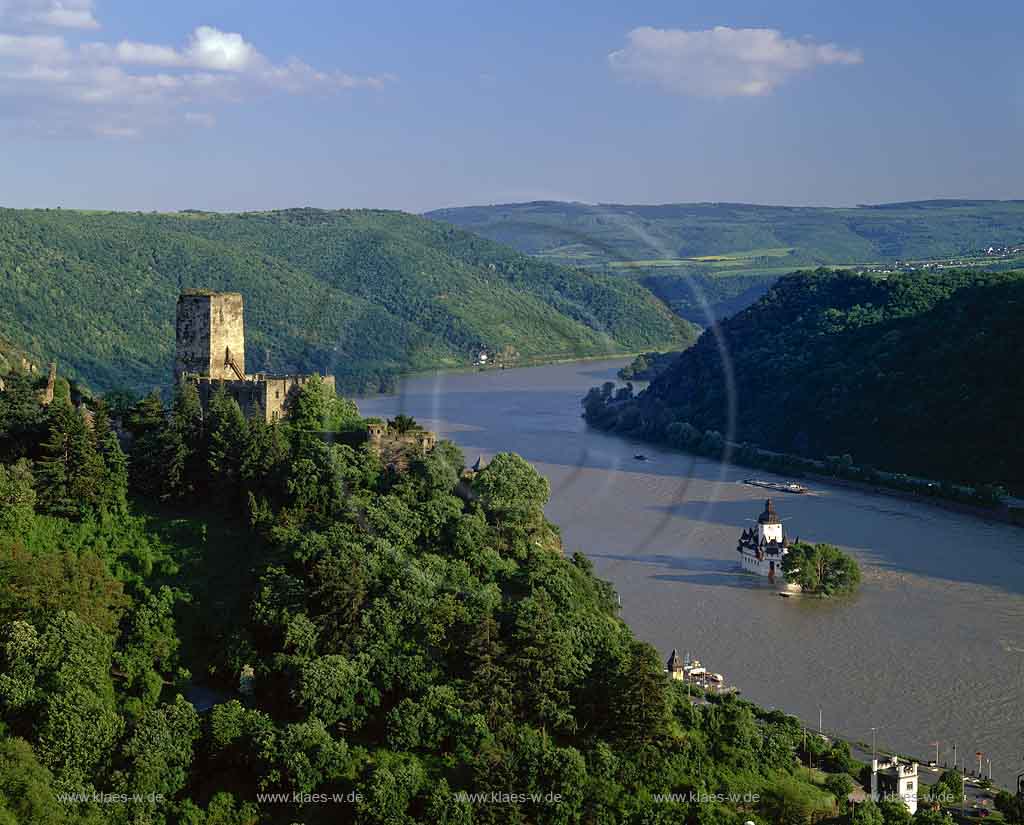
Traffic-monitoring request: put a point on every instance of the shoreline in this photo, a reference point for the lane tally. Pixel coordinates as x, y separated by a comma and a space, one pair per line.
1004, 513
465, 370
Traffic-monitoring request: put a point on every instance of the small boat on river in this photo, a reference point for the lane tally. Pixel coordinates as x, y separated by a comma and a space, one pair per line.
780, 486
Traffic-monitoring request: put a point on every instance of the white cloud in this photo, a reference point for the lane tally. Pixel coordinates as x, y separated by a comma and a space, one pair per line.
121, 89
721, 62
210, 48
69, 14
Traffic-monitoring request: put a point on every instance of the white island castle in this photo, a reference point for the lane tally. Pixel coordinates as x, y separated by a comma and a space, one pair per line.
762, 548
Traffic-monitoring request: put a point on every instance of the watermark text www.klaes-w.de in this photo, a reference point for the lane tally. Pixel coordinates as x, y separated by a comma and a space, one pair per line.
303, 798
508, 798
106, 798
701, 798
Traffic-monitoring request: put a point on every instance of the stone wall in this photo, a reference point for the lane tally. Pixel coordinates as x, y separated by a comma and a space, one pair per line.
277, 389
263, 396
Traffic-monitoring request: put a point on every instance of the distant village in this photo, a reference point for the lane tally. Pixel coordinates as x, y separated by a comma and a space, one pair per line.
989, 254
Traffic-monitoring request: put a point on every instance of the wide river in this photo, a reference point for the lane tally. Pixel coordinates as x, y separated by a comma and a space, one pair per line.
930, 649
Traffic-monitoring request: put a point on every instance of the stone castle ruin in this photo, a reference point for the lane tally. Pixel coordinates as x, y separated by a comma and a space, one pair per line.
210, 351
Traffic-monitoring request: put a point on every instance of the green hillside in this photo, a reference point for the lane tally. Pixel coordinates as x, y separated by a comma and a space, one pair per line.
242, 624
726, 255
363, 294
912, 373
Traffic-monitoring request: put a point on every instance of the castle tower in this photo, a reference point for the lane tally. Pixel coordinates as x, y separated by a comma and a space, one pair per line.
675, 666
210, 335
769, 525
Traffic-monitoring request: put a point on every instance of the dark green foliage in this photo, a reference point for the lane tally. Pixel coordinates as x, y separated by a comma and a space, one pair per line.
894, 812
950, 787
647, 366
1010, 806
840, 785
360, 294
70, 475
22, 419
17, 498
405, 639
866, 813
831, 363
822, 569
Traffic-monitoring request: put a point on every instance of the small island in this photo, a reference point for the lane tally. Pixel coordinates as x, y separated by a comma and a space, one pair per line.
820, 569
647, 366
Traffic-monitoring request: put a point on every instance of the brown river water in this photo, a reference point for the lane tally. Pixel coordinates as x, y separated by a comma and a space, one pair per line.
931, 648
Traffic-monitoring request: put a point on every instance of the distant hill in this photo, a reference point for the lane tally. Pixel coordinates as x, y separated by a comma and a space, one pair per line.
363, 294
915, 373
728, 254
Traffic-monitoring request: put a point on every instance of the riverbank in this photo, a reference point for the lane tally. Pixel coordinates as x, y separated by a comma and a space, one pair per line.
607, 409
469, 369
1004, 513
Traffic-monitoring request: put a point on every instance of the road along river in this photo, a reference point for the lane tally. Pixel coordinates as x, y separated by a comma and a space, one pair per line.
930, 649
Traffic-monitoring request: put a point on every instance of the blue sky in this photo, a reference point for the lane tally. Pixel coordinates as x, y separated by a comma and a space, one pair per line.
250, 105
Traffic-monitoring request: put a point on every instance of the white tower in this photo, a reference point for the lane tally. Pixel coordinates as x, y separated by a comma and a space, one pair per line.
893, 779
769, 525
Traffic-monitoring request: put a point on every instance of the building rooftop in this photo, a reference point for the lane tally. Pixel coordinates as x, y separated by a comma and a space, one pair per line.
203, 292
769, 516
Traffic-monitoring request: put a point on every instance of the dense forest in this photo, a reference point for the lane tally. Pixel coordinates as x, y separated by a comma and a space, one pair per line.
377, 644
905, 372
361, 294
710, 260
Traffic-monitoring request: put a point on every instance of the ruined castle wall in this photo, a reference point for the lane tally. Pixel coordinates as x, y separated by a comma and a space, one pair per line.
278, 389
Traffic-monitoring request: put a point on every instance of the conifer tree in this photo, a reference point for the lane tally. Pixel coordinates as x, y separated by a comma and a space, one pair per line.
22, 417
641, 713
114, 492
147, 422
264, 458
182, 447
490, 685
543, 656
226, 442
70, 472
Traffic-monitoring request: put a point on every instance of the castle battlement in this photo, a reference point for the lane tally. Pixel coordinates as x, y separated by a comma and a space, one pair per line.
210, 352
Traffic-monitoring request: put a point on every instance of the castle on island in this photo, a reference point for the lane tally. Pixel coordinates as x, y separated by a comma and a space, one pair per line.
210, 350
763, 548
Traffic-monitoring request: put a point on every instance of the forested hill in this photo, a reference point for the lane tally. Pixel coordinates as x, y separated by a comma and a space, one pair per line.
718, 258
911, 373
360, 293
807, 234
